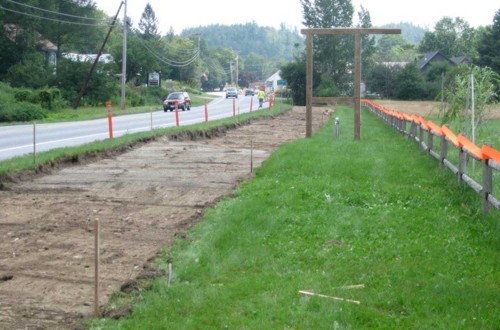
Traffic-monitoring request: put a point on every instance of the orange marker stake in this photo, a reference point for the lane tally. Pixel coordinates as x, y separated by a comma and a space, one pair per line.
110, 119
206, 112
176, 113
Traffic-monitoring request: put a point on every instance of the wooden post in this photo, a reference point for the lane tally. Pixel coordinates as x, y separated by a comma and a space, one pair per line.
430, 141
251, 156
462, 163
357, 86
487, 185
309, 84
444, 150
421, 137
96, 267
34, 143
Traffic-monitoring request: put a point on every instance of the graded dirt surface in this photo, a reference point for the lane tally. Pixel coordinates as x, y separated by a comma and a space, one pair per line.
142, 198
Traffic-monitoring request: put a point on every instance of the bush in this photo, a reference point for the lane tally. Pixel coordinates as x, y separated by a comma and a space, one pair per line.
24, 95
22, 111
50, 98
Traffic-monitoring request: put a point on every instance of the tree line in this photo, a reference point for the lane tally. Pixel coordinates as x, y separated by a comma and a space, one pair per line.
389, 62
40, 38
38, 35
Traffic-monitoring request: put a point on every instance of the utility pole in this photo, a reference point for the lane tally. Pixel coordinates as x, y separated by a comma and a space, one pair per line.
237, 70
124, 54
231, 71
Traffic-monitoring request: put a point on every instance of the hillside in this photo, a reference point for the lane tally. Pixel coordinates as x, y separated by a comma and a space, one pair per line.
248, 38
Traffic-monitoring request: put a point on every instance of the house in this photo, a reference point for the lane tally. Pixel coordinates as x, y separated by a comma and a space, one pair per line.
75, 57
464, 59
432, 57
275, 82
44, 45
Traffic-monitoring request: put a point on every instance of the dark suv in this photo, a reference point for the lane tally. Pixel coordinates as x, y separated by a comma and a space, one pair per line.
182, 98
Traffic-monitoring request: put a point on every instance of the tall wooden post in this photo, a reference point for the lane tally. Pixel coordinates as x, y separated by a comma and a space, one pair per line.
310, 99
309, 85
357, 86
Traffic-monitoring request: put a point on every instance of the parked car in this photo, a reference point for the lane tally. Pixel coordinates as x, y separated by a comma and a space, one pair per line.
249, 91
231, 92
182, 98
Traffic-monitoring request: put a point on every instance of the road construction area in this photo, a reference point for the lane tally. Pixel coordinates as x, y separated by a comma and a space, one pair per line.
142, 197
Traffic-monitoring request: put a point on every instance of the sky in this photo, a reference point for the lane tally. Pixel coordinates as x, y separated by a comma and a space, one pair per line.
193, 13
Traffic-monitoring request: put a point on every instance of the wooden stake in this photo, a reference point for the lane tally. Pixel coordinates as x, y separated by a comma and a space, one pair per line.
96, 268
34, 143
307, 293
251, 156
169, 274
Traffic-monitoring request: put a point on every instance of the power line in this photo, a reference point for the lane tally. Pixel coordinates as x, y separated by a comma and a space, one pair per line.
53, 12
51, 19
171, 62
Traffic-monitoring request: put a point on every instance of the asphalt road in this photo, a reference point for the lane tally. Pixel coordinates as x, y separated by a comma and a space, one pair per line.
20, 140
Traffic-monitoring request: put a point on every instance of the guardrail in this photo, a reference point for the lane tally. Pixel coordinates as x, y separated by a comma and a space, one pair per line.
416, 128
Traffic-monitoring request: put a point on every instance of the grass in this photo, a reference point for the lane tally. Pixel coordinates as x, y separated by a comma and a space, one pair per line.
321, 214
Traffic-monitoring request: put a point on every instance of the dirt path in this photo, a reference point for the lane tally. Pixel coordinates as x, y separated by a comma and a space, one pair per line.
141, 198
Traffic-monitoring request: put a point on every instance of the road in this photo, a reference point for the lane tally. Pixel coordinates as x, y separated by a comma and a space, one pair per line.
20, 140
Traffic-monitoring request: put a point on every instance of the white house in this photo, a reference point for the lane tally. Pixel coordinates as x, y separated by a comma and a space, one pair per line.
275, 82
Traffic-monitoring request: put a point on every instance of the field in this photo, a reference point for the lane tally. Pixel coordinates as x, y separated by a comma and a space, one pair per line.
143, 198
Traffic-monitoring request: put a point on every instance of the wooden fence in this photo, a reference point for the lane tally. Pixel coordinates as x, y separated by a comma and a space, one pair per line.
439, 139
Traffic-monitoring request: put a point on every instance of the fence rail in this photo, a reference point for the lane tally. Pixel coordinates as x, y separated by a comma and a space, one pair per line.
416, 128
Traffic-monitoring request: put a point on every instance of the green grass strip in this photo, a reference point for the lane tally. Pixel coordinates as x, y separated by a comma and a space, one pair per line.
322, 214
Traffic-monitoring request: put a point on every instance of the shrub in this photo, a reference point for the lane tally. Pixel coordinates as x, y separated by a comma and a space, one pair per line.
24, 95
50, 98
25, 111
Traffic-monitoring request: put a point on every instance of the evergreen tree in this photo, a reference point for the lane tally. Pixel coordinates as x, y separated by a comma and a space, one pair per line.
490, 44
148, 24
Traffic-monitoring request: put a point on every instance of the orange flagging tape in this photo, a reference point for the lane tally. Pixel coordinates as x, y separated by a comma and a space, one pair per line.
491, 153
450, 135
475, 150
435, 128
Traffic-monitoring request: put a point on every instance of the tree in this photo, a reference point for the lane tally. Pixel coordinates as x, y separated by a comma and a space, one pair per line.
394, 48
381, 80
367, 43
409, 83
31, 72
490, 44
457, 94
295, 75
333, 55
452, 37
148, 24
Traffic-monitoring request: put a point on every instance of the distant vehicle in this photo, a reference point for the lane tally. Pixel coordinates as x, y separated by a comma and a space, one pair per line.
232, 92
249, 91
182, 98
